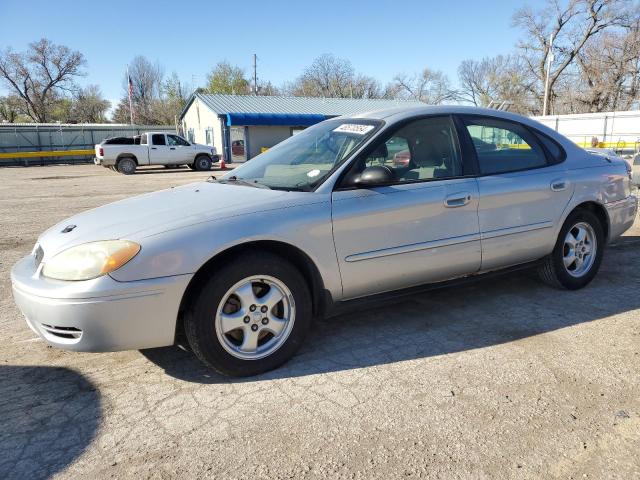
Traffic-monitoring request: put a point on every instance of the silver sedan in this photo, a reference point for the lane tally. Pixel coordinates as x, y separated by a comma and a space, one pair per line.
350, 210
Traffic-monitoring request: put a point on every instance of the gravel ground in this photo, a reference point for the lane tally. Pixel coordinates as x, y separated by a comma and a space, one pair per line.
504, 378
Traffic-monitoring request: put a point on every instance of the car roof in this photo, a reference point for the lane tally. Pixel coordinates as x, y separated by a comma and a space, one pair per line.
393, 115
404, 112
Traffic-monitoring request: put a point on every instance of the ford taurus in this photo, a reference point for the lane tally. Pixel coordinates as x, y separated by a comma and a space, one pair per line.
239, 266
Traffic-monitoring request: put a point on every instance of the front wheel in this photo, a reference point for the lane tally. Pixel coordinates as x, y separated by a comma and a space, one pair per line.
578, 252
251, 316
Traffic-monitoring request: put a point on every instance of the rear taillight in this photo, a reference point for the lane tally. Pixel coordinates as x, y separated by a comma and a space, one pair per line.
101, 152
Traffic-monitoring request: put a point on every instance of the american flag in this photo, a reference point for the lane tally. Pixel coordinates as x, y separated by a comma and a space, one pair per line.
130, 96
130, 87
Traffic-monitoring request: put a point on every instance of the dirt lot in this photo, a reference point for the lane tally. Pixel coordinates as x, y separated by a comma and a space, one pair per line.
500, 379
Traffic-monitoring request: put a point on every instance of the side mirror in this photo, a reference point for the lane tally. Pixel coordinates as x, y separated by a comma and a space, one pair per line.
373, 176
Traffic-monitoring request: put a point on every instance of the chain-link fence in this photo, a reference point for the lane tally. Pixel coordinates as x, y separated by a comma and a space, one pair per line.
27, 138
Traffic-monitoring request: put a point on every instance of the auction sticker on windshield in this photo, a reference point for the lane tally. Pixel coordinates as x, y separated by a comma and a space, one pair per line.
356, 128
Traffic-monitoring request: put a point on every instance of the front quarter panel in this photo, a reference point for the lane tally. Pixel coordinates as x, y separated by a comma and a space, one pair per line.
185, 250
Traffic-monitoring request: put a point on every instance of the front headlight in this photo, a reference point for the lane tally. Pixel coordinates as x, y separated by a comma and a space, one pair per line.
90, 260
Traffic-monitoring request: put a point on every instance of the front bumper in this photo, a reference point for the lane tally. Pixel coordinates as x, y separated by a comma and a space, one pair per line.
622, 214
98, 315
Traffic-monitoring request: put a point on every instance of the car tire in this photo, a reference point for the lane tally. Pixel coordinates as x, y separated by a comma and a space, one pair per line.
578, 252
127, 166
249, 317
202, 163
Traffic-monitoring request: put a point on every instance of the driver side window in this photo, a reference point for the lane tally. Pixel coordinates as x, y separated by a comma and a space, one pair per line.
395, 152
175, 140
425, 149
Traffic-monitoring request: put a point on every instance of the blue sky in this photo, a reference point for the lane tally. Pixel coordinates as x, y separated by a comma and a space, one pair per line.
381, 38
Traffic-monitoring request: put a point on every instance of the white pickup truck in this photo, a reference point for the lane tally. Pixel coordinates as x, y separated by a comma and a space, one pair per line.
125, 154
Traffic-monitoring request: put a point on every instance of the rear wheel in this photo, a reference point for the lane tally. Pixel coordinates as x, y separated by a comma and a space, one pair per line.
578, 252
126, 166
202, 163
251, 316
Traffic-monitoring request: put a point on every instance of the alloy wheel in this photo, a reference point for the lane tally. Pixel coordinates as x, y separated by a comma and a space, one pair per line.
579, 249
255, 317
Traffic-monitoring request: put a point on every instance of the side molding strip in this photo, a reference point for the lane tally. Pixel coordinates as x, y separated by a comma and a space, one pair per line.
414, 247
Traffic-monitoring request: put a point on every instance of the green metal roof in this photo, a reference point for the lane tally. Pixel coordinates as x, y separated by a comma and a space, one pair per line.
223, 104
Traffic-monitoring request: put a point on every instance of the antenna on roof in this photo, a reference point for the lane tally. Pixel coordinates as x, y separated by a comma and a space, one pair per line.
255, 74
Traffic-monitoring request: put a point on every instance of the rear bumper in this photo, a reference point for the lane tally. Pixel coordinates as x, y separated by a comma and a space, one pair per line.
103, 162
98, 315
622, 214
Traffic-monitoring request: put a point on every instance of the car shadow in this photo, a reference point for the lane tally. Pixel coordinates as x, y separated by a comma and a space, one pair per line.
48, 415
488, 312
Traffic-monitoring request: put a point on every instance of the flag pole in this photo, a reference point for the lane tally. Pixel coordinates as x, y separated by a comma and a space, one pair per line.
550, 59
129, 88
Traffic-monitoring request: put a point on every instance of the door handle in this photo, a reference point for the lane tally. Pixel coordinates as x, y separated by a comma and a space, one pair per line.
153, 148
172, 148
558, 185
457, 199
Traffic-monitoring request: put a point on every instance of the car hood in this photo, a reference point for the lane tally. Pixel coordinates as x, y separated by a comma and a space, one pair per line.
149, 214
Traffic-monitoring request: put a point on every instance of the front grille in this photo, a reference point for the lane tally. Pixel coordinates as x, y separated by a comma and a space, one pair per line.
68, 333
38, 254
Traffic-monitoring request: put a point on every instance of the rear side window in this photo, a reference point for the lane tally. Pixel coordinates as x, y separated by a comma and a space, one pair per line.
556, 151
158, 139
502, 146
143, 139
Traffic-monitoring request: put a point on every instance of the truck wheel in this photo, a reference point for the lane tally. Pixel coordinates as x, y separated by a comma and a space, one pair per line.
202, 163
127, 166
251, 316
576, 258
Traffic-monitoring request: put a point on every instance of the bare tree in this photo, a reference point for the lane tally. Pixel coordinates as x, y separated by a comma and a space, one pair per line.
267, 89
430, 86
500, 78
146, 92
573, 25
609, 73
146, 80
327, 76
366, 87
41, 75
89, 106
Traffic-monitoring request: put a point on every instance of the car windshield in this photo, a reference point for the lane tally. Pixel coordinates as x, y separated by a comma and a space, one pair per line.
304, 160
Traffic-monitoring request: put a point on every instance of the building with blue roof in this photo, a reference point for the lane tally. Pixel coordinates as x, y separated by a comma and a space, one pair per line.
241, 126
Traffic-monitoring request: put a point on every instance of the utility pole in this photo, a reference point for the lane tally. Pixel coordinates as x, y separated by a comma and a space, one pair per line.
546, 82
255, 74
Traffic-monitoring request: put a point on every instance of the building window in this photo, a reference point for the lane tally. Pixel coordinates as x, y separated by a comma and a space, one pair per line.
191, 135
296, 130
209, 135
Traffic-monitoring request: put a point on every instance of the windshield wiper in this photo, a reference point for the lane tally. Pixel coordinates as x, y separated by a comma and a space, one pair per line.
239, 181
